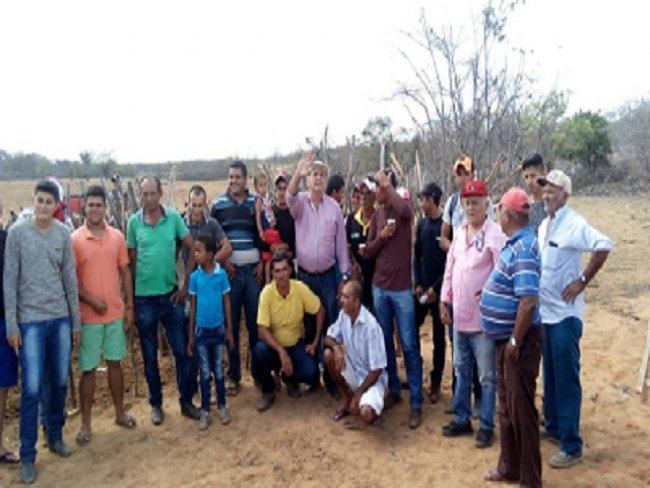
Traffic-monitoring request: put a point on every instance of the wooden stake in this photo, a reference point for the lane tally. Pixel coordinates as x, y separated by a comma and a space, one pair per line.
641, 384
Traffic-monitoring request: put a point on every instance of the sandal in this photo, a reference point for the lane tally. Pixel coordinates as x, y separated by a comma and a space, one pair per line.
9, 457
83, 436
495, 475
340, 413
127, 422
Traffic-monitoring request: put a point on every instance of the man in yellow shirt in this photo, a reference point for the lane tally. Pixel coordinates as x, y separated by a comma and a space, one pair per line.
281, 346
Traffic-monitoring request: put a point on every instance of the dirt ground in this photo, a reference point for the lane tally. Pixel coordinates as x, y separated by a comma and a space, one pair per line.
295, 442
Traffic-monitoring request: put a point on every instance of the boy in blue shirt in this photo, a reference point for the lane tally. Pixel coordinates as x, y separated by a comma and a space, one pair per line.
210, 325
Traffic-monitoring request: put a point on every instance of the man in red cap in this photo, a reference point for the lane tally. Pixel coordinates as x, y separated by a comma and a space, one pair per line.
473, 254
510, 317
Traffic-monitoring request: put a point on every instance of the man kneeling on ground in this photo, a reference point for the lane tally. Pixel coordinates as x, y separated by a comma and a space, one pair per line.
280, 320
355, 356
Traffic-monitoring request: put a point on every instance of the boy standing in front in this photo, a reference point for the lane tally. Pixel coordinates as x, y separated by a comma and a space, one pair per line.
210, 325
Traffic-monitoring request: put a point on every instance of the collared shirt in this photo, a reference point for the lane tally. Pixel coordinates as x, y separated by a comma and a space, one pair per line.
468, 267
365, 349
320, 233
209, 289
207, 226
516, 275
561, 247
3, 238
237, 220
284, 316
98, 263
155, 246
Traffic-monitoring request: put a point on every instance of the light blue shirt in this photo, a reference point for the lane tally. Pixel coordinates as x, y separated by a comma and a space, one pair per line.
561, 249
365, 349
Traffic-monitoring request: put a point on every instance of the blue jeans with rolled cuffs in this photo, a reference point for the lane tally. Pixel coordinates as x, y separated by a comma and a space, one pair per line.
149, 311
44, 358
399, 304
469, 347
210, 343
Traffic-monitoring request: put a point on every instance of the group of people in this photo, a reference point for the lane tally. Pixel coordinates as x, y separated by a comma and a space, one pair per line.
324, 295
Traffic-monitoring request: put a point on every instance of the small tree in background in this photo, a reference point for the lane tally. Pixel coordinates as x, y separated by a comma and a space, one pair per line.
585, 139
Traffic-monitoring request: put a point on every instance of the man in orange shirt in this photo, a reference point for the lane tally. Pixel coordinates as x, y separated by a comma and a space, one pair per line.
102, 263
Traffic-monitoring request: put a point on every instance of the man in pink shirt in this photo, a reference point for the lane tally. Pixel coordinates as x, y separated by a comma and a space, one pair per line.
473, 254
321, 243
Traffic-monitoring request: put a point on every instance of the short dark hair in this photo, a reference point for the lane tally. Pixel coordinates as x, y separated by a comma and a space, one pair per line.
239, 165
48, 186
278, 257
432, 191
534, 161
209, 242
197, 190
96, 191
155, 178
335, 183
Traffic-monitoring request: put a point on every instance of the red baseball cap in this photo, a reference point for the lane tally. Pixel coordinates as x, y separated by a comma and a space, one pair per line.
474, 188
516, 199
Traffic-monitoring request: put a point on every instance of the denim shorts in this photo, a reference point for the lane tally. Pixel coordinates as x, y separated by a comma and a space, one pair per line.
8, 360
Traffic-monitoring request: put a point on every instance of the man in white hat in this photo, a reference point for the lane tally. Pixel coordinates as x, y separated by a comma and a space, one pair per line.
563, 237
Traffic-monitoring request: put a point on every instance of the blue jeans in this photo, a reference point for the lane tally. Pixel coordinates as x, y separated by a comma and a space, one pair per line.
209, 347
266, 360
399, 304
476, 382
469, 347
324, 286
44, 359
244, 291
149, 311
562, 390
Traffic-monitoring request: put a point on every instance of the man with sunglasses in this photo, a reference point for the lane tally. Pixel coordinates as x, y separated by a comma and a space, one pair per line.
474, 252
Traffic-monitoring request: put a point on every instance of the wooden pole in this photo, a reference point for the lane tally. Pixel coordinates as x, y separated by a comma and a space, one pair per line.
641, 384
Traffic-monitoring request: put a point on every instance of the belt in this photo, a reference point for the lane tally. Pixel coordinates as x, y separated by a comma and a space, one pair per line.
320, 273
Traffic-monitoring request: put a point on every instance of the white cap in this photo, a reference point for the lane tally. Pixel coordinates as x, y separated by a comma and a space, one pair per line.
557, 178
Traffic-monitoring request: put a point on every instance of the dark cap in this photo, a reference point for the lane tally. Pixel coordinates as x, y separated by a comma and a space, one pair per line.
431, 190
282, 177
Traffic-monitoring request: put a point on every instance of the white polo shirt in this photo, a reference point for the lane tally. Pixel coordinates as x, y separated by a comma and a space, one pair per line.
561, 249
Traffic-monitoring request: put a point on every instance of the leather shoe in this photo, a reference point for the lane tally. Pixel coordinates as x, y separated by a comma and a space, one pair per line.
59, 448
191, 412
293, 390
157, 415
27, 472
434, 394
265, 402
415, 419
391, 400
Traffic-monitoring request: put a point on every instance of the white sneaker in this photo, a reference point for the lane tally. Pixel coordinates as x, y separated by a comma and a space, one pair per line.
204, 420
223, 415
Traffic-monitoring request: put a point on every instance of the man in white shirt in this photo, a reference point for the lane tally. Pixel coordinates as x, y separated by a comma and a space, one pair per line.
563, 237
355, 355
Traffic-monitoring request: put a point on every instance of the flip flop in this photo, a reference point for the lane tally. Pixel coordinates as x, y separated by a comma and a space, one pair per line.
340, 413
128, 422
9, 458
83, 436
494, 475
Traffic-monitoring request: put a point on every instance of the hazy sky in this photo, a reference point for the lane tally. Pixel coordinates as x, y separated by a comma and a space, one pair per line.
162, 80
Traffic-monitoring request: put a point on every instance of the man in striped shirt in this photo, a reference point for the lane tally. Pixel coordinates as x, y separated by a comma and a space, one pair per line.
235, 211
510, 317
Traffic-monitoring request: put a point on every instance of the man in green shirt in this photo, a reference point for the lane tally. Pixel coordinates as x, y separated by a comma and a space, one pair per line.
152, 235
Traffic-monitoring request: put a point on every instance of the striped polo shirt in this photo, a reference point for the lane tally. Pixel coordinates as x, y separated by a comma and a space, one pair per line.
516, 275
237, 220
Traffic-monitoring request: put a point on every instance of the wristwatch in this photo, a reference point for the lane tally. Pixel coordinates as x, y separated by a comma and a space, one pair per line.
513, 342
346, 276
583, 278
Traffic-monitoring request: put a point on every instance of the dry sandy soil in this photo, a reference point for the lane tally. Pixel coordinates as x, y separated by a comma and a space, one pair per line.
295, 443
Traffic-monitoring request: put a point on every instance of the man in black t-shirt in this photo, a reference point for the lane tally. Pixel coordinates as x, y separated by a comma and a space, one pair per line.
356, 231
428, 269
